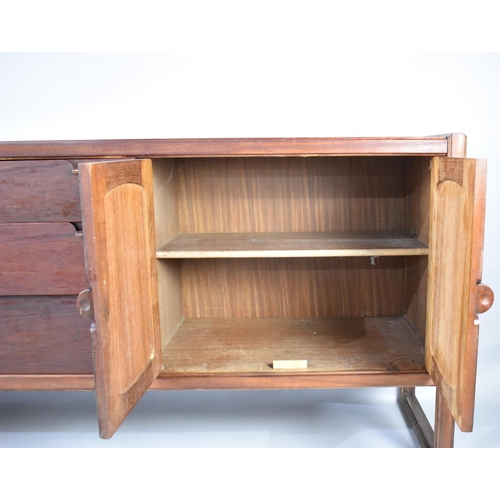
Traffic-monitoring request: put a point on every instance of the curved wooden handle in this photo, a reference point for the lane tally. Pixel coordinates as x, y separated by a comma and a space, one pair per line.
484, 298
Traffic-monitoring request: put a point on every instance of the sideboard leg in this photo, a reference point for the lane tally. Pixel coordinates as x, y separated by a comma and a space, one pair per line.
444, 424
415, 416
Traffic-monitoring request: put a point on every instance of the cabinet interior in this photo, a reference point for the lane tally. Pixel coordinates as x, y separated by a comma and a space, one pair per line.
321, 259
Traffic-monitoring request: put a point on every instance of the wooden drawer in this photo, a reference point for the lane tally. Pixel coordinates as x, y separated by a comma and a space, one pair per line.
41, 259
42, 335
39, 191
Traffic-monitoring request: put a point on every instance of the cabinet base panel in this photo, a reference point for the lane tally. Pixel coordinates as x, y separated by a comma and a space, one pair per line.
168, 382
338, 381
356, 347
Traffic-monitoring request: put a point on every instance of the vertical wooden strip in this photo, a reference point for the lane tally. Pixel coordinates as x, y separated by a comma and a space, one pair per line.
415, 416
166, 185
444, 424
451, 345
418, 197
469, 342
417, 223
128, 285
457, 145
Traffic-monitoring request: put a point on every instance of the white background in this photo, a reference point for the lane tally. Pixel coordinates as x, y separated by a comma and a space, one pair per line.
294, 93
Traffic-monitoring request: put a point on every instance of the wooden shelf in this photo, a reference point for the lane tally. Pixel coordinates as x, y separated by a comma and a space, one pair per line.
330, 345
318, 244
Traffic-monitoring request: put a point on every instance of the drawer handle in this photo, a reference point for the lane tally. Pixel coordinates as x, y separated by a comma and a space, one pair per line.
484, 298
85, 304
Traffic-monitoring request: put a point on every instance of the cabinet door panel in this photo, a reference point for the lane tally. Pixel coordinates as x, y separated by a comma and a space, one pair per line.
455, 260
120, 254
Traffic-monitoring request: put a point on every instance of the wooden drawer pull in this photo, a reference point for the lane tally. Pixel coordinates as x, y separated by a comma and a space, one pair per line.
484, 298
85, 304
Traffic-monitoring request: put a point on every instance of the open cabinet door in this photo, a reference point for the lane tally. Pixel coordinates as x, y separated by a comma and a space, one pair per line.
120, 255
458, 190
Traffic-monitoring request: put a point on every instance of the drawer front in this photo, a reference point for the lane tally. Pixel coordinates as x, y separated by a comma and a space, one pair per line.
41, 259
43, 335
39, 191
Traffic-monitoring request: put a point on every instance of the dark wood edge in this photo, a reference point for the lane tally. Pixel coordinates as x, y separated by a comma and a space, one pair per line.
157, 148
293, 381
457, 145
444, 424
47, 382
85, 382
415, 416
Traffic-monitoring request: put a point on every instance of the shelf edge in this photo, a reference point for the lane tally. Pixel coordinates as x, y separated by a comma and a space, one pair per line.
372, 252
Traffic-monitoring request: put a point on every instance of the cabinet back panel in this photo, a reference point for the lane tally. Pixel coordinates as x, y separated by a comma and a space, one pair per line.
292, 287
219, 195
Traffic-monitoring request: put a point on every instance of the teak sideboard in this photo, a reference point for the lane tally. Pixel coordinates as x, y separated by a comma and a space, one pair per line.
130, 265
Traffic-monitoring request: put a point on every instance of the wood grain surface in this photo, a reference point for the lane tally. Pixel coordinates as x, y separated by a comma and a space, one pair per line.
153, 148
39, 191
120, 254
167, 227
333, 244
418, 205
262, 195
47, 382
444, 423
43, 335
309, 287
455, 255
41, 259
328, 345
299, 380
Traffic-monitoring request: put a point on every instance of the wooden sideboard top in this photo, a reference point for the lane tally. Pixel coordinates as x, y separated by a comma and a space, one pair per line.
340, 146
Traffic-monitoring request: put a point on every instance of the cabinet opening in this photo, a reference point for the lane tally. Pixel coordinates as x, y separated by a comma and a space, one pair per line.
238, 315
290, 207
318, 259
